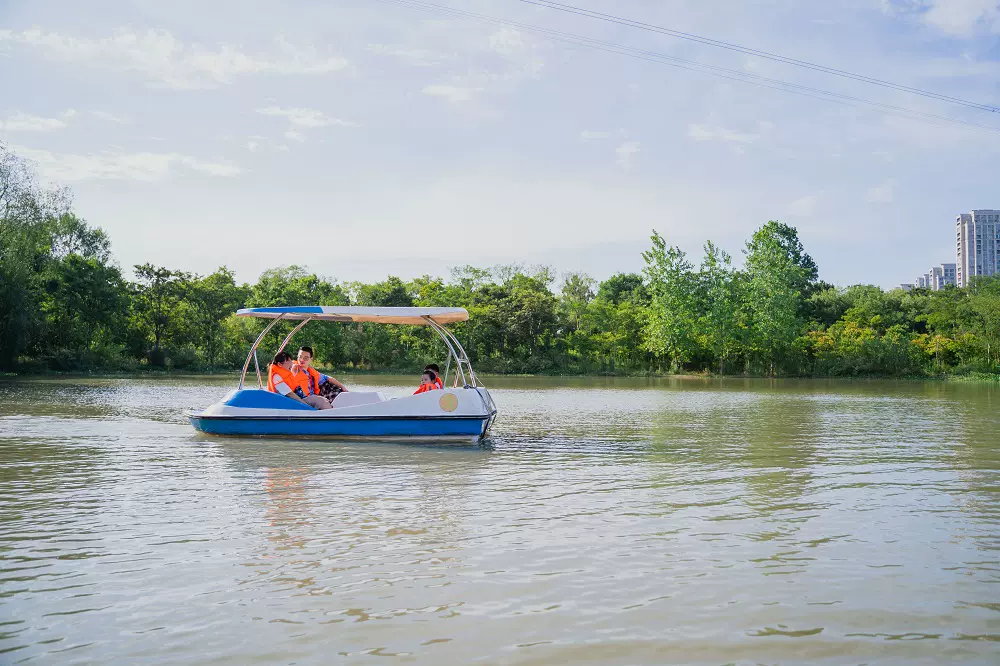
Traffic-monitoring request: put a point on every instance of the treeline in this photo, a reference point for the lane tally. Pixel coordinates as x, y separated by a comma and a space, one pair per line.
66, 306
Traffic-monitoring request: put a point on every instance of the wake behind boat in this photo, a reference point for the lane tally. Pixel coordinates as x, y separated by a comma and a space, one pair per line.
463, 412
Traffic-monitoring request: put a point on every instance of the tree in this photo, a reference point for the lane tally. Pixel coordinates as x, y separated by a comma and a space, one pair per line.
157, 293
671, 328
214, 298
771, 294
27, 212
787, 238
82, 300
984, 303
576, 294
718, 323
623, 287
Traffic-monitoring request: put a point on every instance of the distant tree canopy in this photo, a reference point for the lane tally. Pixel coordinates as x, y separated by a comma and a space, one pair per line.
65, 305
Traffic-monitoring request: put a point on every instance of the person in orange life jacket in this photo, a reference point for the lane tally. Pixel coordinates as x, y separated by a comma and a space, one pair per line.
280, 379
433, 367
428, 382
313, 379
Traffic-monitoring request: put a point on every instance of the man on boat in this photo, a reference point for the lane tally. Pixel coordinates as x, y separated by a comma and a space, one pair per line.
281, 380
312, 381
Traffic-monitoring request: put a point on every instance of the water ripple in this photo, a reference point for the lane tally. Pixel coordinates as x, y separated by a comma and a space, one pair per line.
607, 521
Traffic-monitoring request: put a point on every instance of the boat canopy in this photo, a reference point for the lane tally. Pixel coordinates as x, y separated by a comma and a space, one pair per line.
343, 313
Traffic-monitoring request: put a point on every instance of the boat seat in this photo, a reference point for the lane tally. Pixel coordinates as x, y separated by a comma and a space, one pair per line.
355, 398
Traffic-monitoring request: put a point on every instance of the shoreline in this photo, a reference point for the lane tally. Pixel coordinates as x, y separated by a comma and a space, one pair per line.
975, 377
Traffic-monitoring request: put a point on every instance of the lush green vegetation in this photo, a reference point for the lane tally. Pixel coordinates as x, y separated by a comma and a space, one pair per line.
65, 305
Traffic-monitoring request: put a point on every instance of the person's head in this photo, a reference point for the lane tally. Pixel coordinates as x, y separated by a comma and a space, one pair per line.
433, 367
305, 355
284, 359
428, 377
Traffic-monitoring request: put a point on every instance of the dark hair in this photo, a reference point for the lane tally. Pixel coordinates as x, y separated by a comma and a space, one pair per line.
281, 357
431, 374
434, 367
308, 350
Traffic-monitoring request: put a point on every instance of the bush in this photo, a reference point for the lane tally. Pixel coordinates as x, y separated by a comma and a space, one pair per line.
182, 358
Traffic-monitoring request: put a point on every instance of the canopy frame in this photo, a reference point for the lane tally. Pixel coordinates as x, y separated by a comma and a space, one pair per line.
463, 366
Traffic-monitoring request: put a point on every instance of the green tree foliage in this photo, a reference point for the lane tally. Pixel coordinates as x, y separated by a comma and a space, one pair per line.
65, 305
623, 287
671, 329
157, 297
718, 321
774, 277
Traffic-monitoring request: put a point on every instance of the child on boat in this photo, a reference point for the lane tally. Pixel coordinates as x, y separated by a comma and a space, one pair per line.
433, 367
428, 382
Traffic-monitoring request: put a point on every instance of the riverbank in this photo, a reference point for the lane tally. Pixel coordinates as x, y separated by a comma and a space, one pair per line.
146, 373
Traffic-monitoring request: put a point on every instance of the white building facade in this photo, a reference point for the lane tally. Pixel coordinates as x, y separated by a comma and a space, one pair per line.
977, 245
936, 278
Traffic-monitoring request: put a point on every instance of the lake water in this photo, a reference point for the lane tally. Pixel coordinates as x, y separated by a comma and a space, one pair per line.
606, 522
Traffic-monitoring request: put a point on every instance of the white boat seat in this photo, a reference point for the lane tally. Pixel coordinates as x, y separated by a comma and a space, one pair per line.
355, 398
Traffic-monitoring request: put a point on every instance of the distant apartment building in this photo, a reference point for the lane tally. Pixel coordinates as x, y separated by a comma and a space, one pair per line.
977, 244
942, 275
934, 279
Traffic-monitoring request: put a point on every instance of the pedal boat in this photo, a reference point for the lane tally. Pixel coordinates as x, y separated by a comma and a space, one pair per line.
463, 412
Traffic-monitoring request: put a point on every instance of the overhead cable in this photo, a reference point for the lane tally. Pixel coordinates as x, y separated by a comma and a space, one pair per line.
695, 66
620, 20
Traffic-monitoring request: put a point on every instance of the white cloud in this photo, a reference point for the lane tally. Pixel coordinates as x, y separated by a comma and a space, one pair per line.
506, 41
884, 193
412, 56
119, 165
300, 120
163, 59
803, 207
963, 17
715, 133
24, 122
588, 135
454, 94
309, 118
69, 113
109, 117
625, 152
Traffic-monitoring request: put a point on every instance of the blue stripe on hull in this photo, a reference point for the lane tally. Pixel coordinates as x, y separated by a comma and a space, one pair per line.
450, 427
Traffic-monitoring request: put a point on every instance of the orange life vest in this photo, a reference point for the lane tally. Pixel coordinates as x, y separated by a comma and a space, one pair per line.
305, 374
423, 388
285, 375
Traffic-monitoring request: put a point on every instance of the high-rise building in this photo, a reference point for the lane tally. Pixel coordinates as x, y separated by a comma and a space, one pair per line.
977, 245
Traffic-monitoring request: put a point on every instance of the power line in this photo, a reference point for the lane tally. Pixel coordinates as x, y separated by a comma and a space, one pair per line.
695, 66
611, 18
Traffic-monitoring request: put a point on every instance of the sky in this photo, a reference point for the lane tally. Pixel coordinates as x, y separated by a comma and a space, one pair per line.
367, 138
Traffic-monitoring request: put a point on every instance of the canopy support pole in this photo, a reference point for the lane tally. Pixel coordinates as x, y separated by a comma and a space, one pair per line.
288, 338
441, 331
253, 352
464, 357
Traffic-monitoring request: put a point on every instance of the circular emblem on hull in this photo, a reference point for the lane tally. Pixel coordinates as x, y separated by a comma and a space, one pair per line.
448, 402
